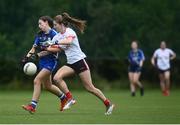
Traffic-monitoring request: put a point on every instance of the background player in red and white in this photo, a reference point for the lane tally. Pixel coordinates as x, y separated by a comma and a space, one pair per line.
76, 63
161, 60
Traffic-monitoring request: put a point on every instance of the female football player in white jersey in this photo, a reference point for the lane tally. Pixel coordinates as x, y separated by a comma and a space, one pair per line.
68, 41
161, 60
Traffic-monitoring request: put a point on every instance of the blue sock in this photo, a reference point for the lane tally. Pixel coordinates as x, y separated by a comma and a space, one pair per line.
34, 103
62, 96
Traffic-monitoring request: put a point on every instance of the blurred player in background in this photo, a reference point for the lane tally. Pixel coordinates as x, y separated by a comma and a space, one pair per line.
136, 59
76, 63
161, 60
47, 63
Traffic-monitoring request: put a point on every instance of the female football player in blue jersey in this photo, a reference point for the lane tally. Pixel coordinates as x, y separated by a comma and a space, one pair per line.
67, 41
136, 59
47, 63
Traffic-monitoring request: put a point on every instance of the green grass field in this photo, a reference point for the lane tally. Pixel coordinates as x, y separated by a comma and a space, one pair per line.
152, 108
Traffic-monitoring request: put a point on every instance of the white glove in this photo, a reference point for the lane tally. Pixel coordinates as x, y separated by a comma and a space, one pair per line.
49, 43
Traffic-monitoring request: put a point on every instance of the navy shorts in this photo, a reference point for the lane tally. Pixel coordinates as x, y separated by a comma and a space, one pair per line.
163, 71
136, 69
49, 65
79, 66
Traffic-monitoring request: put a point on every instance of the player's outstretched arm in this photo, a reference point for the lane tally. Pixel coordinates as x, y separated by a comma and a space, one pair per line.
32, 50
53, 48
66, 41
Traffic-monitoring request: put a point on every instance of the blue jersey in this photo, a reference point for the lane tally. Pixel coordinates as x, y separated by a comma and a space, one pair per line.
135, 57
48, 61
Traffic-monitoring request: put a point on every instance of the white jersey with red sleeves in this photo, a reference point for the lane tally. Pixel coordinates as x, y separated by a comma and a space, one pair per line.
163, 58
73, 51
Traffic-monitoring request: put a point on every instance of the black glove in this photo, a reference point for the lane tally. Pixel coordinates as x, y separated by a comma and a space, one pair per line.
24, 59
33, 57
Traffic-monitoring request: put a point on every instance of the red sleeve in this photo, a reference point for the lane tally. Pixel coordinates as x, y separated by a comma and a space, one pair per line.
70, 36
55, 46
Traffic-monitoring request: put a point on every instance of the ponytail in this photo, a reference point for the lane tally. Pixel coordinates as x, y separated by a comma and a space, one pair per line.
66, 19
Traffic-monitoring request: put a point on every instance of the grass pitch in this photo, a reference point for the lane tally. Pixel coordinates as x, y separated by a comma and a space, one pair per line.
152, 108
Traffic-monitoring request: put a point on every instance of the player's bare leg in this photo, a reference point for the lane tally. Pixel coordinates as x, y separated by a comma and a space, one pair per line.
162, 84
136, 80
167, 82
132, 85
87, 82
63, 72
36, 93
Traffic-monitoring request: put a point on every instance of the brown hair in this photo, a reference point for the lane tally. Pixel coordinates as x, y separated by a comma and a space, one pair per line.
135, 41
48, 19
66, 20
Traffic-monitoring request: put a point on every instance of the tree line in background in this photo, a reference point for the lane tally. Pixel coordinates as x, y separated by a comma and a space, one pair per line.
111, 26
